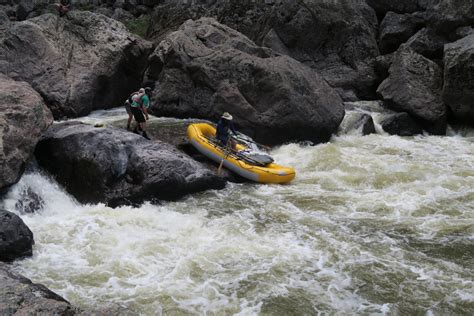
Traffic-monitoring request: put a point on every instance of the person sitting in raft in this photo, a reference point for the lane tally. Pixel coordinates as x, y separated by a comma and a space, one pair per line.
224, 126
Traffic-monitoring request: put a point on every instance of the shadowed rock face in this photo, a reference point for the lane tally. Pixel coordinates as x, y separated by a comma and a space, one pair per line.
118, 167
22, 297
207, 68
16, 239
414, 86
458, 90
77, 64
336, 38
23, 117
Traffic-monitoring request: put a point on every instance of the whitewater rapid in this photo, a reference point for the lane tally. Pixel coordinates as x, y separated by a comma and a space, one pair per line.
375, 224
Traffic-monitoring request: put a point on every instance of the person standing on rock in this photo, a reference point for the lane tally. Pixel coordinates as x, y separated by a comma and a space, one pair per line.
128, 108
139, 107
62, 7
224, 127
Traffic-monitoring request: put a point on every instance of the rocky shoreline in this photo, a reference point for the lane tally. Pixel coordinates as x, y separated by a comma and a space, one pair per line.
289, 71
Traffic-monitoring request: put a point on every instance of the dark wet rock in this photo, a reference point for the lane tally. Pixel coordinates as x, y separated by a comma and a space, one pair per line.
83, 62
458, 90
382, 65
401, 124
427, 43
206, 68
119, 167
398, 6
19, 296
23, 118
446, 16
357, 121
341, 51
16, 239
396, 29
414, 86
29, 202
461, 32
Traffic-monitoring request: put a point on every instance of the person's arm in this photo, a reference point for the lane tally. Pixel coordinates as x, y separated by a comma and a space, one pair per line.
232, 128
146, 104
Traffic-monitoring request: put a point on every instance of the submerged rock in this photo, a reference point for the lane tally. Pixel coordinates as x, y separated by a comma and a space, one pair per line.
23, 117
207, 68
83, 62
414, 86
19, 296
400, 124
458, 90
16, 239
119, 167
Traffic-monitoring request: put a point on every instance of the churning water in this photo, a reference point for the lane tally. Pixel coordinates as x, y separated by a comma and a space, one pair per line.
371, 225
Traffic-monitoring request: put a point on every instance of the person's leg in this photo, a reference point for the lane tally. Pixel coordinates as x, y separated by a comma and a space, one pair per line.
143, 125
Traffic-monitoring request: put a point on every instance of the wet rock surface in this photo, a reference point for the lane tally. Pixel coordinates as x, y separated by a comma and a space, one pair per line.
414, 86
401, 124
16, 239
206, 68
119, 167
23, 117
458, 90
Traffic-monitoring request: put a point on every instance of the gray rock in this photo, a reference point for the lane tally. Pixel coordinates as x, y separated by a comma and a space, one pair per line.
357, 121
382, 65
316, 33
207, 68
80, 63
464, 31
427, 43
23, 118
118, 167
458, 90
24, 8
29, 202
401, 124
414, 86
446, 16
19, 296
396, 29
16, 239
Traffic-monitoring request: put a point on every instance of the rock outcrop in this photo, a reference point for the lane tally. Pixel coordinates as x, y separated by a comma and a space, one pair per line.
458, 90
414, 86
118, 167
336, 38
16, 239
80, 63
23, 118
428, 43
19, 296
207, 68
396, 29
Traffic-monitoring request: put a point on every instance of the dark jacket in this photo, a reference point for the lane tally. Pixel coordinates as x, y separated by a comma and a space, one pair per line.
223, 130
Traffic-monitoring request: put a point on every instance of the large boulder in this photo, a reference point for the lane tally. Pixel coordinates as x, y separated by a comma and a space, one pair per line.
446, 16
207, 68
414, 86
19, 296
458, 90
396, 29
118, 167
428, 43
16, 239
336, 38
401, 124
23, 118
80, 63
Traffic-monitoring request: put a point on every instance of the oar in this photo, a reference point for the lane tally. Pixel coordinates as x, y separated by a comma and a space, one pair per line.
226, 153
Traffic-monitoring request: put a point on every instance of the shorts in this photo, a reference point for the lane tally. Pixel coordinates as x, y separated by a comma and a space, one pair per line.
128, 108
138, 115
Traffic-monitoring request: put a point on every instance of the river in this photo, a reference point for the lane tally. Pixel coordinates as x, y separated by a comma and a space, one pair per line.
371, 225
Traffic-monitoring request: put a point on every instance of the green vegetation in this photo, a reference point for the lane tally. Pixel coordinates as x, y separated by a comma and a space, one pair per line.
138, 26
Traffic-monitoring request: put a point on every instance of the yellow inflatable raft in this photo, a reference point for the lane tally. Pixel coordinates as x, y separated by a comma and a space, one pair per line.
202, 137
